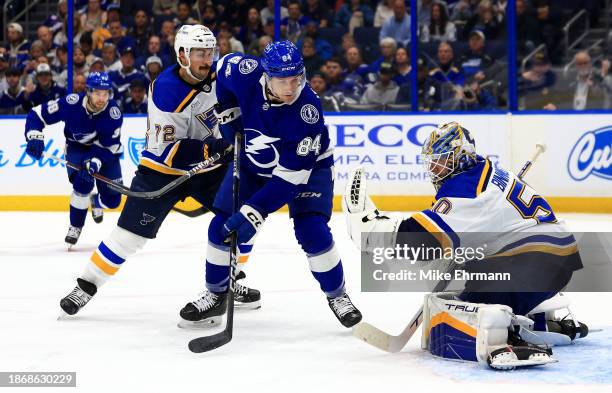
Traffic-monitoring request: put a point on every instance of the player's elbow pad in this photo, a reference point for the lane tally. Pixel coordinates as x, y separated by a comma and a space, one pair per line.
230, 122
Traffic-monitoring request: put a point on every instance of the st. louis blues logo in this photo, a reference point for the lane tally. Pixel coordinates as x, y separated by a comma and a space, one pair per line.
260, 150
135, 146
592, 155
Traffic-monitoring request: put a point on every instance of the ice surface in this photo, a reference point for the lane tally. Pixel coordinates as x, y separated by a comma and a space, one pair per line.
126, 339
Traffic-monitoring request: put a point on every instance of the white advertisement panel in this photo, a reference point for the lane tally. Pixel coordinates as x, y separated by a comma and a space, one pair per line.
578, 161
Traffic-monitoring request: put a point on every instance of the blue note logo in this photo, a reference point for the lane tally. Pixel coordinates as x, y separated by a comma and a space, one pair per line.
135, 146
259, 148
592, 155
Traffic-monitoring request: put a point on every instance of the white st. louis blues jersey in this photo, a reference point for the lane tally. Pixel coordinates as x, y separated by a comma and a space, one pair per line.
177, 111
492, 206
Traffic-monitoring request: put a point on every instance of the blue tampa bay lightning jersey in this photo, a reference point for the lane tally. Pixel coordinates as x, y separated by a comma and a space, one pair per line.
101, 130
284, 142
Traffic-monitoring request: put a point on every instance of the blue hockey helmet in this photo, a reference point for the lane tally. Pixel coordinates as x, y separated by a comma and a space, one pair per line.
282, 59
448, 150
99, 81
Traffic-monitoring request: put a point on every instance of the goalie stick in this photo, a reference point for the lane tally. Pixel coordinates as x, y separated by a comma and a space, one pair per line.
147, 194
390, 343
208, 343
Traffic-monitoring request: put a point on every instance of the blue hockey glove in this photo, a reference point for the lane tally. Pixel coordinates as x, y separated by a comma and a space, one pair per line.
88, 168
245, 223
36, 144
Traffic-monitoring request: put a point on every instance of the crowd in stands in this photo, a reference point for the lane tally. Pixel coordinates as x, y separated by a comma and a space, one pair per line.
357, 52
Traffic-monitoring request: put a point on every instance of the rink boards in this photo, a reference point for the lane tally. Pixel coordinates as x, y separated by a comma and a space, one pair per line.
575, 173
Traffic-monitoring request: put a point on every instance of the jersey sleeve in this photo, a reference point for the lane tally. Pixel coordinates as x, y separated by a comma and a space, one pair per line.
227, 108
50, 112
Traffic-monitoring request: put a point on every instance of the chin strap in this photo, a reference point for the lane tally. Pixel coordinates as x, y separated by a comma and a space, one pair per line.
187, 69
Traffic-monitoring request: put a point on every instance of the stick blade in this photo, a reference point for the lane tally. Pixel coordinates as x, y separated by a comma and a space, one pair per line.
208, 343
373, 336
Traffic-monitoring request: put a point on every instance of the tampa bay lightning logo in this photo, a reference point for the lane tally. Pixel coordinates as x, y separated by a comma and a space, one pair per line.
135, 146
247, 66
259, 149
592, 155
309, 114
72, 98
115, 113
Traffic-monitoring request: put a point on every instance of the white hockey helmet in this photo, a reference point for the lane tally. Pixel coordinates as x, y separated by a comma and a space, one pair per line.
193, 36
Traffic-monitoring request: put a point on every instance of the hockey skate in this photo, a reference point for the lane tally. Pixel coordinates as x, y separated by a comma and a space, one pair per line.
78, 297
97, 213
520, 353
72, 236
204, 312
246, 298
344, 310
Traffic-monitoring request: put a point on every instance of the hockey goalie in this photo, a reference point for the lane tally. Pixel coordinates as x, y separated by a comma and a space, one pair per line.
500, 327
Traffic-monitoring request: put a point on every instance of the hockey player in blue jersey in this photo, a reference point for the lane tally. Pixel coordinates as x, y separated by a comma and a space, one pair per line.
182, 133
286, 159
92, 130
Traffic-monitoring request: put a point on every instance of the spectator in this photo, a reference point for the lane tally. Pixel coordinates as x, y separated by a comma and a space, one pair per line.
154, 67
384, 11
154, 48
474, 98
424, 7
62, 39
388, 47
535, 85
332, 71
445, 81
385, 90
78, 61
183, 15
45, 89
79, 84
121, 79
97, 65
18, 47
499, 10
164, 7
209, 17
60, 66
4, 66
12, 96
136, 103
353, 14
46, 37
140, 32
94, 16
225, 31
118, 38
584, 88
439, 27
348, 41
86, 44
252, 30
484, 21
402, 67
475, 63
225, 48
318, 11
262, 42
109, 56
235, 12
405, 91
462, 11
37, 51
548, 22
343, 89
167, 33
267, 13
328, 102
527, 32
293, 27
113, 13
312, 61
55, 21
397, 27
324, 49
355, 66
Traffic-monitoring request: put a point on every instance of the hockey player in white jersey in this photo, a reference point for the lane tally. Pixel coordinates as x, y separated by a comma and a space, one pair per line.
502, 325
182, 132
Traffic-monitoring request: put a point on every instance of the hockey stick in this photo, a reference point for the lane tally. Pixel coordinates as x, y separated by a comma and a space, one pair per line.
390, 343
200, 211
120, 188
208, 343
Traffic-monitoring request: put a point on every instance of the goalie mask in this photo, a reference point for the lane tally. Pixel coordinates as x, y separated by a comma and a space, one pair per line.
194, 37
448, 150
